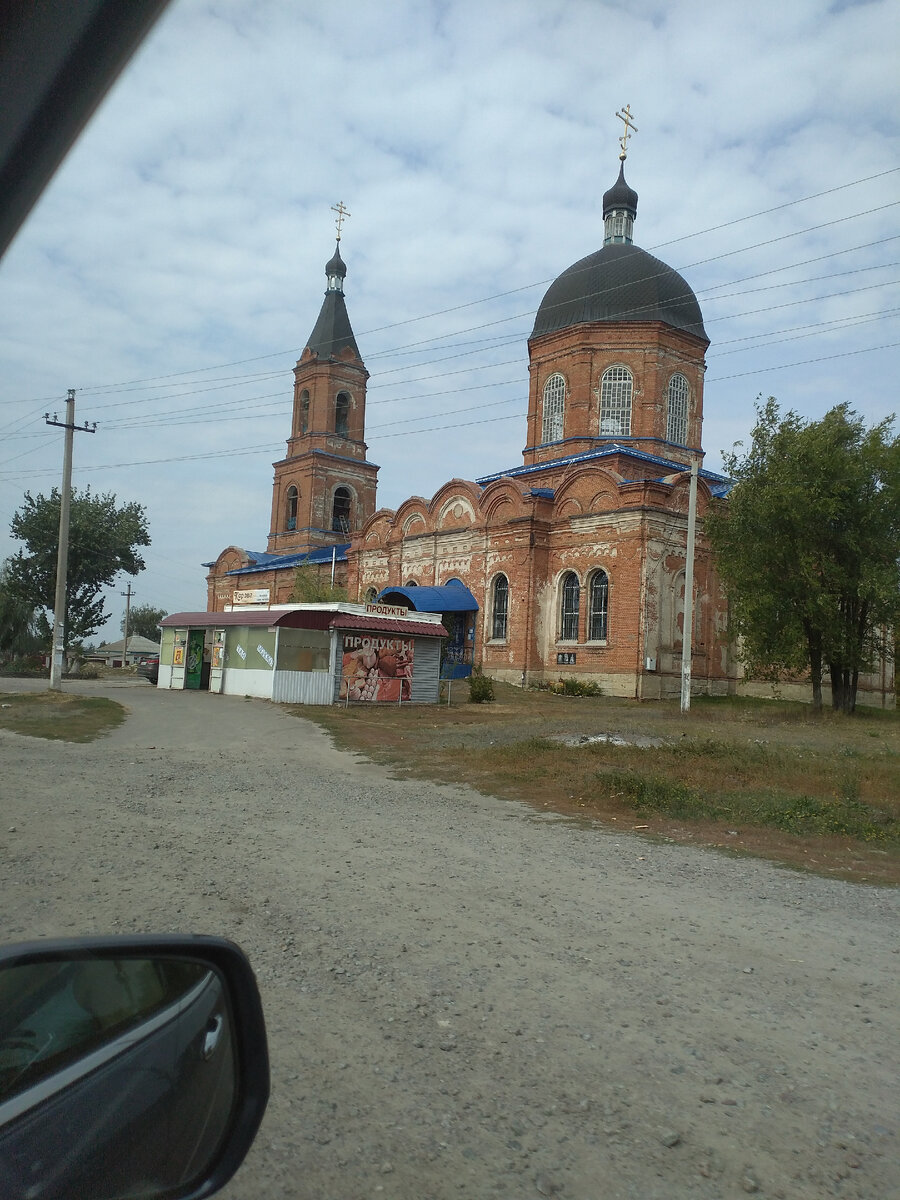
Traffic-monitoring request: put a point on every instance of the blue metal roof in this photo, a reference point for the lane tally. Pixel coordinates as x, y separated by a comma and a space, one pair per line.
452, 597
592, 455
261, 561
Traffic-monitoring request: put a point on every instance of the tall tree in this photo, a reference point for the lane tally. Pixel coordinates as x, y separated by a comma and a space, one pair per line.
103, 540
808, 545
312, 585
18, 620
143, 621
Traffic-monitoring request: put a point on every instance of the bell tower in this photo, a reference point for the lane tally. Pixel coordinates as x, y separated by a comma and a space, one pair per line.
324, 487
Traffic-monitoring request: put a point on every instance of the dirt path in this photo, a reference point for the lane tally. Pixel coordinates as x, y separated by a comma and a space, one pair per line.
465, 998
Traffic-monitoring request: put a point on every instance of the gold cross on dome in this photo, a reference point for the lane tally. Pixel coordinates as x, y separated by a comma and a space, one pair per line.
624, 114
342, 212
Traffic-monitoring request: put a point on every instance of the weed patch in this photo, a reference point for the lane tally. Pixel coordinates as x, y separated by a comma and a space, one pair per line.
758, 776
842, 815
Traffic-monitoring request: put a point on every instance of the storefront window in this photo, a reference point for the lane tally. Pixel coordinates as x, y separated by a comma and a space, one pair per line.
304, 649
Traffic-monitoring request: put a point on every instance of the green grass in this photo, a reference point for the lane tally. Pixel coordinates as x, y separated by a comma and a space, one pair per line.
59, 716
710, 779
791, 812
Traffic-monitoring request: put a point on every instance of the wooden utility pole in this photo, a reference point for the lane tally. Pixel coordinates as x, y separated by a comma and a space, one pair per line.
62, 555
127, 596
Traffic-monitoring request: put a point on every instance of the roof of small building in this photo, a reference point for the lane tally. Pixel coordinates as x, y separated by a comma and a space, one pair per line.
306, 616
136, 645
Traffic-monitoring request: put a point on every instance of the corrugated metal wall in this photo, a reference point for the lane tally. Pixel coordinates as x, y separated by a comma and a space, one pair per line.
303, 687
426, 671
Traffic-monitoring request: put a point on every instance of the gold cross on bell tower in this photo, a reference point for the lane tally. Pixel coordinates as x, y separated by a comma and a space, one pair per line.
342, 212
624, 114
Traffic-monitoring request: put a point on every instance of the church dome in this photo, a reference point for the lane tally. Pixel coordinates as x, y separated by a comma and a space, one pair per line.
335, 265
619, 282
620, 195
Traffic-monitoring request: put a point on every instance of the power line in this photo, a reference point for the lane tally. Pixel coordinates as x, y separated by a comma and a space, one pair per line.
765, 212
805, 362
276, 447
201, 414
513, 291
815, 330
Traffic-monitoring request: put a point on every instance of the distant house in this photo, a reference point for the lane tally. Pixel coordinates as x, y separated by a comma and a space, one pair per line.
110, 653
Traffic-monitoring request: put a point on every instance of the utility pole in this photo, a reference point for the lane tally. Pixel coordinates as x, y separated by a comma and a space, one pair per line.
127, 596
687, 633
62, 555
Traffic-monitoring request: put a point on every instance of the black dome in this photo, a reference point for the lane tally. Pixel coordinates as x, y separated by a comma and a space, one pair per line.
620, 195
621, 282
335, 265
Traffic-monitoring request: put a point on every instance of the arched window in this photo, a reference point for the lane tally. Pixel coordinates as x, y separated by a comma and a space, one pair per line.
598, 614
291, 513
571, 602
342, 414
677, 410
371, 593
340, 511
500, 608
411, 583
615, 402
554, 408
304, 411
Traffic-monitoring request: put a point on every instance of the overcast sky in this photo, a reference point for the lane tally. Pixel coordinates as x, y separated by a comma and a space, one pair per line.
174, 268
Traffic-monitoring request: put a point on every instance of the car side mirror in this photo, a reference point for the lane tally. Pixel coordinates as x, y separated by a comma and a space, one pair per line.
129, 1067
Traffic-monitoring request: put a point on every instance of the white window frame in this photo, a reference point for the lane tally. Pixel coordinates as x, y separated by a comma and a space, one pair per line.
554, 408
677, 397
616, 391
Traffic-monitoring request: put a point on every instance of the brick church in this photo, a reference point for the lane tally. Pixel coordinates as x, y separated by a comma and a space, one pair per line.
570, 563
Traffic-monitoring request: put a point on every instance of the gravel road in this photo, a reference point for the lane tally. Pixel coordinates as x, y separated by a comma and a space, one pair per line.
466, 998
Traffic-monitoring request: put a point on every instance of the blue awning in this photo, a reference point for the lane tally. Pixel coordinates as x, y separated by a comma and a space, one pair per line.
453, 597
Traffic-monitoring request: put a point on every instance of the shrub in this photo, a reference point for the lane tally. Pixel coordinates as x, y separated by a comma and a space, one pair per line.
575, 687
481, 687
28, 665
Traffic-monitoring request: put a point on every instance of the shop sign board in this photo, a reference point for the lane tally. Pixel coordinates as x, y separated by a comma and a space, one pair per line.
376, 669
251, 596
387, 610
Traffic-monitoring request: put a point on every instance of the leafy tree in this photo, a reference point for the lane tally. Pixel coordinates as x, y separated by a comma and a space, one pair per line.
103, 541
312, 586
18, 620
808, 546
143, 620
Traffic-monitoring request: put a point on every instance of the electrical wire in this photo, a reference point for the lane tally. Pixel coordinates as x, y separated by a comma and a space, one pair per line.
526, 287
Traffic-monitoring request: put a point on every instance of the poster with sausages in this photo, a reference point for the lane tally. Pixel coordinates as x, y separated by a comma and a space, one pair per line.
376, 669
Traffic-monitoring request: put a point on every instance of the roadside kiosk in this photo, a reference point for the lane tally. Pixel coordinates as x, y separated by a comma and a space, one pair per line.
306, 653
